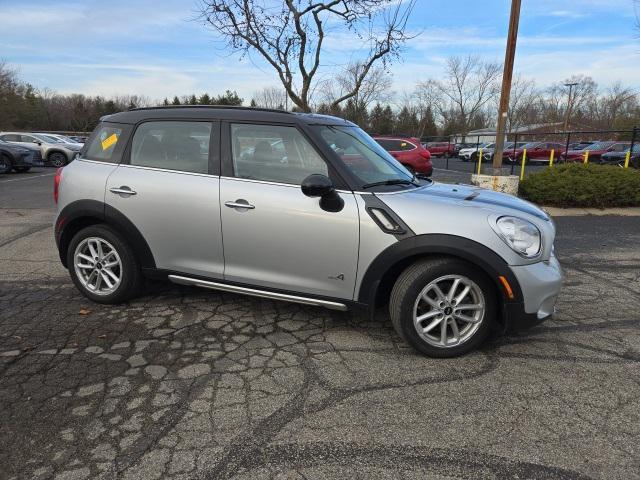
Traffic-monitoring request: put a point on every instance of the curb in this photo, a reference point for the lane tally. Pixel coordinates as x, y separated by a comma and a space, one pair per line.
581, 212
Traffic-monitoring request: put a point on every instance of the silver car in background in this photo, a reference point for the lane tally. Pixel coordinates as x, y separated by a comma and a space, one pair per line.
304, 208
54, 151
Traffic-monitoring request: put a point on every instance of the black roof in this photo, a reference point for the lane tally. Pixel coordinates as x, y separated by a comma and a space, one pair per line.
221, 112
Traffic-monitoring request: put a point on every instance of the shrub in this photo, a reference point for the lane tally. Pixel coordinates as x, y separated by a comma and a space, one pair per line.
578, 185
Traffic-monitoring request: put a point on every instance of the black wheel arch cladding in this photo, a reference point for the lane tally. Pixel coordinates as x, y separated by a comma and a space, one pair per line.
82, 213
417, 246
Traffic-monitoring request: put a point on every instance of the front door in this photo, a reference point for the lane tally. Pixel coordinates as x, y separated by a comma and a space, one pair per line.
282, 239
169, 189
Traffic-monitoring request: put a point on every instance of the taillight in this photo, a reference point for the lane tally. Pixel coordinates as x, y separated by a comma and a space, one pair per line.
56, 184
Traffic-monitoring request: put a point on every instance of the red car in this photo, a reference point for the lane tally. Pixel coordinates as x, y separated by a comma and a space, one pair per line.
536, 152
409, 152
595, 151
441, 149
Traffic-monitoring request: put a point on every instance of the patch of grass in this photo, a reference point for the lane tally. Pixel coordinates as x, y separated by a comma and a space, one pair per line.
578, 185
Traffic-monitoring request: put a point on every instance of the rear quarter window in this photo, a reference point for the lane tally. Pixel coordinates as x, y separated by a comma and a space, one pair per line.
106, 143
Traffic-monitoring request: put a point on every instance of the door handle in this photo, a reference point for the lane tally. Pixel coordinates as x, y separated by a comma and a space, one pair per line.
123, 190
241, 203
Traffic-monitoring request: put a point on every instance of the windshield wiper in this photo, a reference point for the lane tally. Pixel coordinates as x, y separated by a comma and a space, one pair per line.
396, 181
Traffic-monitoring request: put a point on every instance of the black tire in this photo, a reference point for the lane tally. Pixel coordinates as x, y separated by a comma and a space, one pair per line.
22, 169
5, 164
57, 159
131, 278
410, 284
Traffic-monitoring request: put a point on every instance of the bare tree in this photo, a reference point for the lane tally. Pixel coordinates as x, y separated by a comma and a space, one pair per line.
290, 36
376, 87
270, 97
469, 85
523, 103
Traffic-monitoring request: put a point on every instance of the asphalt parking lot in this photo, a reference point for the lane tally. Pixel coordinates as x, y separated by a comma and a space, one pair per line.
187, 383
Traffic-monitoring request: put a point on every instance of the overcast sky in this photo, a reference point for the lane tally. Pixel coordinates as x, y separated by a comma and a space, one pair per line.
156, 48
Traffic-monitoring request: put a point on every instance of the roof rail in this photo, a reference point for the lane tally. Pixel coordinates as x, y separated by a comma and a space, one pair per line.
233, 107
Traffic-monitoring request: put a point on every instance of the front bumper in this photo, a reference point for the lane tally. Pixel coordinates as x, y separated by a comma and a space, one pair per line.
540, 284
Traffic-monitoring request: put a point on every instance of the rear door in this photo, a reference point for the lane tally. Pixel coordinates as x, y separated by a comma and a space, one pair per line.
283, 239
168, 187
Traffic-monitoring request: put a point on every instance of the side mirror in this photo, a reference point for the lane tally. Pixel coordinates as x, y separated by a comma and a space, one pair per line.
317, 185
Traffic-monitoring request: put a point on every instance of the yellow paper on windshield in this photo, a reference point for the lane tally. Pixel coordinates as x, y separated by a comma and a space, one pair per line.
109, 141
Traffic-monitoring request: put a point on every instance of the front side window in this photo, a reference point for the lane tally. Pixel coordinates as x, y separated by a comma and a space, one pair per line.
103, 144
364, 156
274, 154
11, 137
181, 146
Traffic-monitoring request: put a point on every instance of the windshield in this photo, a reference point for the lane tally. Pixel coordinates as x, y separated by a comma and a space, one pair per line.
362, 155
47, 138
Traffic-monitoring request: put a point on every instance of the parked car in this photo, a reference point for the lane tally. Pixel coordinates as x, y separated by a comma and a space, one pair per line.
471, 153
409, 152
54, 151
441, 149
536, 152
78, 138
487, 153
62, 138
619, 158
18, 158
581, 145
595, 151
342, 224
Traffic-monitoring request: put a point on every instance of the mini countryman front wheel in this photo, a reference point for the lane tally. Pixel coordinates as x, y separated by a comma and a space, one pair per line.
443, 307
102, 265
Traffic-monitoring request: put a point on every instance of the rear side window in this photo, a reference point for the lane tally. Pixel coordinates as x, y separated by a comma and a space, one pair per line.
106, 144
181, 146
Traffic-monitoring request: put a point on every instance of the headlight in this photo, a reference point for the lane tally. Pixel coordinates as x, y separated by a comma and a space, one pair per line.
522, 236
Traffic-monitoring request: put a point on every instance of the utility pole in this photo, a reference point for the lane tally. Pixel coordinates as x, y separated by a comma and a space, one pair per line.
566, 117
507, 75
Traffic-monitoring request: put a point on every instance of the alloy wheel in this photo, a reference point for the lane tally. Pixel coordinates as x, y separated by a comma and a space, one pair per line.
98, 266
57, 159
449, 319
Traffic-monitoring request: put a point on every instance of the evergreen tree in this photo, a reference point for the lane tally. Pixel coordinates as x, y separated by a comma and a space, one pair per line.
204, 99
228, 98
176, 101
376, 119
387, 122
253, 103
193, 100
165, 102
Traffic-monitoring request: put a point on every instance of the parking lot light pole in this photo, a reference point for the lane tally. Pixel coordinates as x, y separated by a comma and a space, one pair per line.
566, 117
507, 75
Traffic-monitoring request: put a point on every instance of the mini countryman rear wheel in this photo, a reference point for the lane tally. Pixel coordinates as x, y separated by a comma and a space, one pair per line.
5, 163
57, 159
102, 265
443, 307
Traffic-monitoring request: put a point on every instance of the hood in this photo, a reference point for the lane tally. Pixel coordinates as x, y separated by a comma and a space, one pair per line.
471, 195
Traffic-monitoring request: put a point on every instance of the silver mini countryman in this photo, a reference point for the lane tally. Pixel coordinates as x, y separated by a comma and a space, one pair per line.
303, 208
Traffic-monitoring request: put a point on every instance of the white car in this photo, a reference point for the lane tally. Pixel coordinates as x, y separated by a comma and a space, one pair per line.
467, 154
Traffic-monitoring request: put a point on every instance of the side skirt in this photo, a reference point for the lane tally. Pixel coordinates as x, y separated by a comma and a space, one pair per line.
182, 280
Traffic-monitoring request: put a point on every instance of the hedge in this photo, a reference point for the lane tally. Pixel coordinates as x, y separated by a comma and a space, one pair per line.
578, 185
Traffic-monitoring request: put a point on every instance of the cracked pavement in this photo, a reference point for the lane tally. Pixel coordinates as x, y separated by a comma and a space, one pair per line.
190, 383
